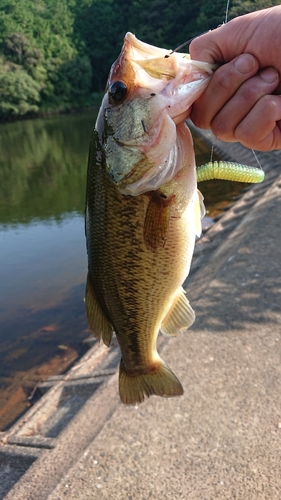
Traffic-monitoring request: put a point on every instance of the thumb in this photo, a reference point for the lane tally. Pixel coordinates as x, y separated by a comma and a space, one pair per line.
208, 47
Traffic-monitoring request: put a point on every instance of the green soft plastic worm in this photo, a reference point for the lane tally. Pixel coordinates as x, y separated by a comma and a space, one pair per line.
229, 171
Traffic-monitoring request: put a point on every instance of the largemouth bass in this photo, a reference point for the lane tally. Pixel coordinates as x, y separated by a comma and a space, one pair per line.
143, 211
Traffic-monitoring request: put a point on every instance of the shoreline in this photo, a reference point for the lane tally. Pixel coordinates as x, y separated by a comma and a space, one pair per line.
93, 378
52, 114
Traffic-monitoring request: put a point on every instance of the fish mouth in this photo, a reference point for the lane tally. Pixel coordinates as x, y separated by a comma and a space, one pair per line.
172, 75
150, 68
161, 87
160, 63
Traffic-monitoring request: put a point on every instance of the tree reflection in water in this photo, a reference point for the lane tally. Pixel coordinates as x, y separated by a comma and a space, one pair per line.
42, 249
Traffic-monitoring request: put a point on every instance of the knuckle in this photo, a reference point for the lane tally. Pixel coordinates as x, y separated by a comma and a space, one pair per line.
249, 93
250, 138
220, 128
222, 81
244, 134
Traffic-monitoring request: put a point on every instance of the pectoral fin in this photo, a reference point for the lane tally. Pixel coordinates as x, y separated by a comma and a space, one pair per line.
157, 220
180, 317
97, 321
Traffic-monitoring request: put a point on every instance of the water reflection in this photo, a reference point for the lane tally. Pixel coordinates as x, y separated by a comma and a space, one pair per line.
42, 167
40, 261
42, 250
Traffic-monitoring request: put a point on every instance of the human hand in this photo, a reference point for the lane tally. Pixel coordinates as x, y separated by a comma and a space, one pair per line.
240, 102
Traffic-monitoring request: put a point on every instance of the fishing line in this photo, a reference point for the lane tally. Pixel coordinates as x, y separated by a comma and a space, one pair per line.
185, 43
190, 40
225, 21
212, 152
226, 11
256, 158
182, 45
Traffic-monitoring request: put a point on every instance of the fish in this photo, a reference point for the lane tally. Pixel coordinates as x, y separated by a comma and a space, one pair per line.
143, 211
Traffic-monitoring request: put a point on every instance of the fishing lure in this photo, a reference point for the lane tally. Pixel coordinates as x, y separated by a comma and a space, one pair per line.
229, 171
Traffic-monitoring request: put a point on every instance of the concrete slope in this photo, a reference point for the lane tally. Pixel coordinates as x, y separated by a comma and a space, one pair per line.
222, 439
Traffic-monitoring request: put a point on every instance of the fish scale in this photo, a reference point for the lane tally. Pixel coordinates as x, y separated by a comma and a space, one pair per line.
131, 278
143, 210
142, 213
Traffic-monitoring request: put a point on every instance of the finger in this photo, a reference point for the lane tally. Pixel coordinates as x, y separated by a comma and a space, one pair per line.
205, 48
261, 128
248, 94
223, 85
256, 33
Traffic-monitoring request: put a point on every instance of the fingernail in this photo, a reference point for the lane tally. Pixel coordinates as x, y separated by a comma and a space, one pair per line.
245, 63
270, 75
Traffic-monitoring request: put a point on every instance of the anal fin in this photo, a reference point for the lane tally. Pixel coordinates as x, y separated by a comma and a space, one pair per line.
97, 321
180, 317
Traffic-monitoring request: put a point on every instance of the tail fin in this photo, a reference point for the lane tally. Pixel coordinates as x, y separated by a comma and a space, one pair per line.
161, 382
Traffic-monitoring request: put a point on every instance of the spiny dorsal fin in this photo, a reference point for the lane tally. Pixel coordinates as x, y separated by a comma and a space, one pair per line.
180, 317
97, 321
157, 220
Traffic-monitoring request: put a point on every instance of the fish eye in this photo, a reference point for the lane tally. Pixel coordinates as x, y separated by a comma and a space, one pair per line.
117, 92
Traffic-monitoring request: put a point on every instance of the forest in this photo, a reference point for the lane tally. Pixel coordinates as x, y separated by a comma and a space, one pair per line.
55, 54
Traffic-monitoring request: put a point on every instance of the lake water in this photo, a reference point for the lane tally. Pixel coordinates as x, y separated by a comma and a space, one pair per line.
42, 250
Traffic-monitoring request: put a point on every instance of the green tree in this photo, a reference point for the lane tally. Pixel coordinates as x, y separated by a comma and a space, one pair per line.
240, 7
61, 50
16, 44
19, 93
211, 15
98, 28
